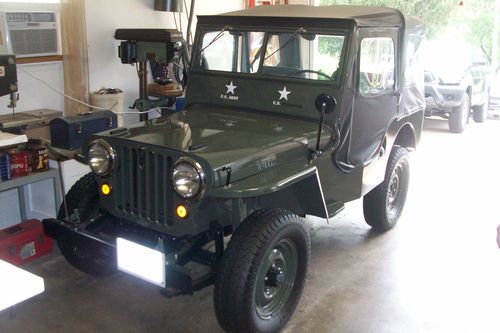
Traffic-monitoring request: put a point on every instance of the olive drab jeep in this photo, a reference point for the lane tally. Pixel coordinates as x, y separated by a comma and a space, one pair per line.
290, 111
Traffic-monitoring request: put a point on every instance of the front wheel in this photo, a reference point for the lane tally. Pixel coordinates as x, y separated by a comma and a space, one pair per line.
262, 273
459, 117
383, 205
481, 111
85, 254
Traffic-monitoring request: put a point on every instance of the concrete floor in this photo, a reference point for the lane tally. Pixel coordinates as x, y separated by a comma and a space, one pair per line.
437, 271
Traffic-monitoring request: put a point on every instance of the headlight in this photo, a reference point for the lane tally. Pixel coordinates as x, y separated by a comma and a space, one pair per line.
101, 157
188, 178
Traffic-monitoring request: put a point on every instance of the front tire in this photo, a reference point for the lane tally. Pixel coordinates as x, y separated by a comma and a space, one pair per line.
459, 117
263, 272
85, 254
480, 113
383, 205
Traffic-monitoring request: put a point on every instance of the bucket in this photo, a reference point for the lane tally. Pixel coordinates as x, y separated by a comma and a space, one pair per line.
113, 102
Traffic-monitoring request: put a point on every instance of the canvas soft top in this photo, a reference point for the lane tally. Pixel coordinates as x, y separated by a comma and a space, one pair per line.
360, 15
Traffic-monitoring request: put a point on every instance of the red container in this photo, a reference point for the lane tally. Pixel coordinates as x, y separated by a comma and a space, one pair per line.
19, 164
24, 242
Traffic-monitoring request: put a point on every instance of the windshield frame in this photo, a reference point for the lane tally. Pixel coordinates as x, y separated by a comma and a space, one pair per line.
269, 30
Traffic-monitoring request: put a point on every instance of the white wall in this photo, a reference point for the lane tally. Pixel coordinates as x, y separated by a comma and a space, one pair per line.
32, 93
104, 17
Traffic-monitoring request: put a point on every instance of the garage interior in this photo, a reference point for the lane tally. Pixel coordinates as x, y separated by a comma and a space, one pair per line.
437, 270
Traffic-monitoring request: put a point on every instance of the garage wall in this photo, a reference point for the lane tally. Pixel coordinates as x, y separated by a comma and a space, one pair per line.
104, 17
33, 94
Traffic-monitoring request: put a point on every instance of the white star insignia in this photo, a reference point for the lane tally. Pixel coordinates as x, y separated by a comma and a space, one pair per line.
230, 124
278, 129
284, 94
230, 88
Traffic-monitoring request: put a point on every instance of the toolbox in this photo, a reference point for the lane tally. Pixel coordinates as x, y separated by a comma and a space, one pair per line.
24, 242
69, 132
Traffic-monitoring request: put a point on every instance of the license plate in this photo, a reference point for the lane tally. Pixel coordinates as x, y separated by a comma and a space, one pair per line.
141, 261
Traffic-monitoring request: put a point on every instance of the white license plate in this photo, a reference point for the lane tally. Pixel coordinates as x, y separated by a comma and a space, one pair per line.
141, 261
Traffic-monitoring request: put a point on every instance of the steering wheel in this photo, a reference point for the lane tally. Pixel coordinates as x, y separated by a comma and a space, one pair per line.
312, 71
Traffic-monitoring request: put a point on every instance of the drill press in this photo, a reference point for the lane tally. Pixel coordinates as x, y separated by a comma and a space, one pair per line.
138, 47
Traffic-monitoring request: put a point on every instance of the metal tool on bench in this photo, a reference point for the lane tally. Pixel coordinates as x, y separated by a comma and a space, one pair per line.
140, 46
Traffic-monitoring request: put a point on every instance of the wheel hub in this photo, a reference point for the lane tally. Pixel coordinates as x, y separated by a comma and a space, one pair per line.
393, 192
393, 188
275, 278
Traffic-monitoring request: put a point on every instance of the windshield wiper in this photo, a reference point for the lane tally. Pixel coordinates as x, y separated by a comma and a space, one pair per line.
216, 38
298, 31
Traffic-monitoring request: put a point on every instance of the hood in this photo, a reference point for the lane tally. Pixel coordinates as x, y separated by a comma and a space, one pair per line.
247, 142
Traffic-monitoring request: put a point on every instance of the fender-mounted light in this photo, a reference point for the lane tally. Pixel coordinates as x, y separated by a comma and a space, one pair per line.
105, 189
182, 211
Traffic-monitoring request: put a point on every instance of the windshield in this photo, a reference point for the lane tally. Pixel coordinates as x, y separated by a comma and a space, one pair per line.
230, 51
297, 54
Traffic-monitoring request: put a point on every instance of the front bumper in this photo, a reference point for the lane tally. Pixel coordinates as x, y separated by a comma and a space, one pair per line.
442, 99
104, 231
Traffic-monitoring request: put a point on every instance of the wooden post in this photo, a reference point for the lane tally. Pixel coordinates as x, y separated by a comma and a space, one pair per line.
75, 55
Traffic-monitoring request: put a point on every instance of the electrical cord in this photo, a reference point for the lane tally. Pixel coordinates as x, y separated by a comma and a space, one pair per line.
59, 92
78, 101
181, 63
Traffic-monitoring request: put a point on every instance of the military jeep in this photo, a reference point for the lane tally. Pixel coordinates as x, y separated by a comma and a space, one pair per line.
290, 111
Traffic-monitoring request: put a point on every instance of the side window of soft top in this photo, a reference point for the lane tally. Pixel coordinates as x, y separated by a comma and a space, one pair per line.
377, 66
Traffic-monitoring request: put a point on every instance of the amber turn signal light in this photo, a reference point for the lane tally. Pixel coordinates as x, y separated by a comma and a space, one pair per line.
182, 211
105, 189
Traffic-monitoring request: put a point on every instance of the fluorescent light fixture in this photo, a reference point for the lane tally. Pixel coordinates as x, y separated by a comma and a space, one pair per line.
141, 261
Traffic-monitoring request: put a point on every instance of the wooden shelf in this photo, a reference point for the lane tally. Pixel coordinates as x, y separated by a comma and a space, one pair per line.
33, 60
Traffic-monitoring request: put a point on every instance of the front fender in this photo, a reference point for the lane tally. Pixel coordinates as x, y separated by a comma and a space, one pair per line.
300, 193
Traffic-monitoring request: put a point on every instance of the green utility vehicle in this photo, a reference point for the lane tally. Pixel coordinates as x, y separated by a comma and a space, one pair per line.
290, 111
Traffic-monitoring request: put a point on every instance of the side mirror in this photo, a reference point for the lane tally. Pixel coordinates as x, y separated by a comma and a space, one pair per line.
307, 36
325, 103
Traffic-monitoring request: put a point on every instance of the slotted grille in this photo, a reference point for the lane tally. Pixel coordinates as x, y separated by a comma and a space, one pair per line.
142, 184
